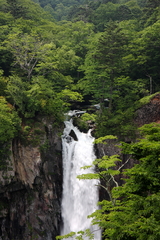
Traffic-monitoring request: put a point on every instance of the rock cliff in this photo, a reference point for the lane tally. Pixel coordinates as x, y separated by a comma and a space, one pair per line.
149, 112
30, 193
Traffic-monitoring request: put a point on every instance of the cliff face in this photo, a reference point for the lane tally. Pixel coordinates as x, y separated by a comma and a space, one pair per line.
148, 113
30, 193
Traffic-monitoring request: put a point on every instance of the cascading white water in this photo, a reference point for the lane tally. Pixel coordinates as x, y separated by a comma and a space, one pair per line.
79, 196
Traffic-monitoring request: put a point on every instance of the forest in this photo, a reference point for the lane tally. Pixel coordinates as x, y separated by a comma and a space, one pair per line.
55, 55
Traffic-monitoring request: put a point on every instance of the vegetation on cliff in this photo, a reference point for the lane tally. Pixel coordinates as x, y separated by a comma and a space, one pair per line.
133, 212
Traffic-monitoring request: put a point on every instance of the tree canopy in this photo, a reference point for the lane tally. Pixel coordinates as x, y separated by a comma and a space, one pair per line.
107, 57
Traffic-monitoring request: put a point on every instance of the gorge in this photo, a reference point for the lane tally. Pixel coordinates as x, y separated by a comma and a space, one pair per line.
31, 187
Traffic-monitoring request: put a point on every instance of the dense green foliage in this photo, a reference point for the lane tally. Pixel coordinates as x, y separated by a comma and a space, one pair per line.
111, 58
97, 12
134, 214
9, 126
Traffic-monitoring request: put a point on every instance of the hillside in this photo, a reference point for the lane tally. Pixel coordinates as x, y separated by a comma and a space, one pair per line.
101, 57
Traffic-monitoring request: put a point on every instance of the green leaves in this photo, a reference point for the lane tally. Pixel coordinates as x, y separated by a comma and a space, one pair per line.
138, 217
9, 121
103, 139
28, 50
69, 95
103, 63
79, 235
17, 91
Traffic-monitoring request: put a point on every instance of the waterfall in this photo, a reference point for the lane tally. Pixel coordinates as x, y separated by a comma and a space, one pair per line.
80, 197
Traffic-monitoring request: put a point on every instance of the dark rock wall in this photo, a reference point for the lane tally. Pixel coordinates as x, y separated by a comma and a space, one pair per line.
148, 113
30, 193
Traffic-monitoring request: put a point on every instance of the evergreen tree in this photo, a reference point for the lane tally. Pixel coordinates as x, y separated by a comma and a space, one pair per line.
104, 63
